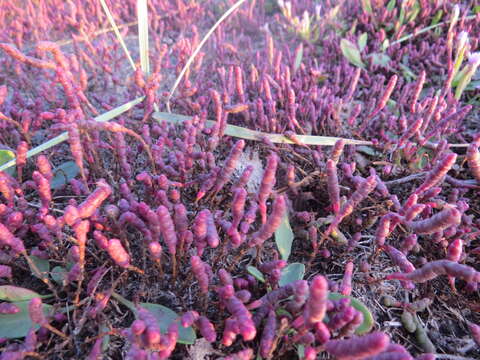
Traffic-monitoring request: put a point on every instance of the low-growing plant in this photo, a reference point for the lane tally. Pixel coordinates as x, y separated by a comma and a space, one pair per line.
188, 206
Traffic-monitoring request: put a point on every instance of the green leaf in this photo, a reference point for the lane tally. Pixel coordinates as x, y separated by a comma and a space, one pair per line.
298, 59
476, 9
362, 41
332, 14
63, 174
474, 85
367, 324
368, 150
164, 317
436, 19
423, 157
271, 8
401, 18
257, 274
5, 157
291, 273
367, 6
408, 74
106, 339
462, 84
391, 104
284, 238
15, 293
42, 265
338, 236
351, 52
380, 59
385, 44
281, 312
301, 351
414, 13
17, 325
459, 76
59, 274
390, 5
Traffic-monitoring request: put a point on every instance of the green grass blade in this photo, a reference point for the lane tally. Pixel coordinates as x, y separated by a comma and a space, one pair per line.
197, 50
143, 44
117, 32
64, 136
243, 133
142, 15
424, 30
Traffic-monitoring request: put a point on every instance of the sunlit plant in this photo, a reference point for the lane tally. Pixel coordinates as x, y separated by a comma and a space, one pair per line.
305, 26
467, 73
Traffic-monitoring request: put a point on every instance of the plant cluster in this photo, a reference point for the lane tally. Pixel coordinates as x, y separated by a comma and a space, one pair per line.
139, 236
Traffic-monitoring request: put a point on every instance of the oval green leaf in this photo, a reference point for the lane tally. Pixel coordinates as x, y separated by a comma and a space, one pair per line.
385, 44
391, 5
301, 351
59, 274
257, 274
291, 273
380, 59
42, 265
63, 174
5, 157
164, 317
351, 52
367, 150
15, 293
14, 326
284, 238
362, 41
367, 324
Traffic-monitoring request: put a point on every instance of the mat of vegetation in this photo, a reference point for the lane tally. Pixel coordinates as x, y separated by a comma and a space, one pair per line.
308, 190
